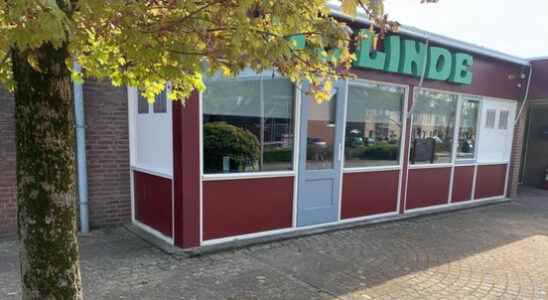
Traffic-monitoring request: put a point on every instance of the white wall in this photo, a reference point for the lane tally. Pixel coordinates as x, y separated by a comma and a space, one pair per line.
495, 144
151, 145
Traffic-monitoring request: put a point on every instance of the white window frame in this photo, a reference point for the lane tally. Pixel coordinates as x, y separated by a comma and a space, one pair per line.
399, 166
479, 100
257, 174
456, 125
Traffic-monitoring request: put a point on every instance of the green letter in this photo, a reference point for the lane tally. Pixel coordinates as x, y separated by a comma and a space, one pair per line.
299, 41
462, 70
441, 61
367, 59
413, 58
392, 47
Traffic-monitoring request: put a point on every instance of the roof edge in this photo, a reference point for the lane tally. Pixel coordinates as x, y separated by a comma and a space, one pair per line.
538, 58
437, 38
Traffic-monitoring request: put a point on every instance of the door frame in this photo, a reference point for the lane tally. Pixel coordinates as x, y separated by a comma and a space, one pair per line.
340, 128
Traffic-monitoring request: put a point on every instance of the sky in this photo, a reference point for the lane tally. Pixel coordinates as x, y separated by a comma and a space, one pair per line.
516, 27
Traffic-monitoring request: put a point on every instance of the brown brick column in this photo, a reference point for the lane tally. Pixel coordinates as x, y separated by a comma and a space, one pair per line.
517, 151
107, 153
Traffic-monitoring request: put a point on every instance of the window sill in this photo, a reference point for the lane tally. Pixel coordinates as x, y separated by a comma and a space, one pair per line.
371, 169
248, 175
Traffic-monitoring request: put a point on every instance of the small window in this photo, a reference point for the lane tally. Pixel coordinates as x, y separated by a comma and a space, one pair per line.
503, 122
142, 105
468, 130
160, 103
490, 120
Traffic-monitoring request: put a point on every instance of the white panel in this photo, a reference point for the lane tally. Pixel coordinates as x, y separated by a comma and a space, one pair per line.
153, 146
495, 139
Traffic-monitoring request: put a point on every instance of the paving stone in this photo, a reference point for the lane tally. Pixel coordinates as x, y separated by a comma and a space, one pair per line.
492, 252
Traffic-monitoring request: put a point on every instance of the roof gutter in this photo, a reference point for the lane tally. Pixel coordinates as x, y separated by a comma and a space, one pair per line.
436, 38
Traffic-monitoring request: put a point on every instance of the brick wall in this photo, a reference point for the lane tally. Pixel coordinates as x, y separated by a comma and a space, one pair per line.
107, 153
7, 164
517, 151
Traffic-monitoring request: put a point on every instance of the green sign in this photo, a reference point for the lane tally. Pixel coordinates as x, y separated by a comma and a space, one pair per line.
409, 57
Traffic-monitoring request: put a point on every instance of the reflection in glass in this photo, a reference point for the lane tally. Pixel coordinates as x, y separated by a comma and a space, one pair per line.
373, 125
433, 127
248, 125
468, 130
320, 144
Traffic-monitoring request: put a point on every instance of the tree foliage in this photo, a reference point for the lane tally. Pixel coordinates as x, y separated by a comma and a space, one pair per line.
148, 43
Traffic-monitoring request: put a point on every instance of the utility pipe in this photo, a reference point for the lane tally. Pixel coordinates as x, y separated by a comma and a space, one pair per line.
526, 96
81, 152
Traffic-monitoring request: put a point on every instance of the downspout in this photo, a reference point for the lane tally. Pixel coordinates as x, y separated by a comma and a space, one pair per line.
81, 152
526, 97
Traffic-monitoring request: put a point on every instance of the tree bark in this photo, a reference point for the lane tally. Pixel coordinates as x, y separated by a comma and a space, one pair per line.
46, 190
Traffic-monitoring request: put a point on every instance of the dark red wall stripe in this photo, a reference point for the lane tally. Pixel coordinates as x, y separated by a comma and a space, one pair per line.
369, 193
186, 160
428, 187
490, 181
153, 202
463, 181
235, 207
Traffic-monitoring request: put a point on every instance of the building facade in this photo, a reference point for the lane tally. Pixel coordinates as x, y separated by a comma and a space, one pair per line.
254, 156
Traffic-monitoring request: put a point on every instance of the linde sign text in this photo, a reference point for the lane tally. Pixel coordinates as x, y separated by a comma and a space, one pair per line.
408, 57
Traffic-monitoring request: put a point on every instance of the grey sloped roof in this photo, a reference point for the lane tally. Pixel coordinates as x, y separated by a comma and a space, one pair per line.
441, 39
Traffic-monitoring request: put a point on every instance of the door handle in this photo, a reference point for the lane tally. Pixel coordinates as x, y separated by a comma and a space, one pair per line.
340, 151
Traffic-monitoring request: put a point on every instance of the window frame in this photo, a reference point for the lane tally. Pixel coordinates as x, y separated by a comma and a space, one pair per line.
160, 107
258, 174
464, 98
456, 126
406, 93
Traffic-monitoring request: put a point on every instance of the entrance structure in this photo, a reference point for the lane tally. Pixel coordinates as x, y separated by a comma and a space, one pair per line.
254, 156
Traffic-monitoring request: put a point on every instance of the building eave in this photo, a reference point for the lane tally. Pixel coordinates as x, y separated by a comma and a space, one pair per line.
437, 38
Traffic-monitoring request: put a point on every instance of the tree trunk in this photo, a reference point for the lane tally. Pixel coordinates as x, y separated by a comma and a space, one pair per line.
46, 190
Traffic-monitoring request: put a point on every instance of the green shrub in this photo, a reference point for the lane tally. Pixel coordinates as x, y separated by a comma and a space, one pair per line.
278, 155
381, 151
222, 139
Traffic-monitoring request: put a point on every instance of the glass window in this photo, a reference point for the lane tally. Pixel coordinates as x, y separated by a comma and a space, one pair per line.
160, 103
142, 104
321, 134
373, 125
248, 125
433, 129
468, 130
503, 122
491, 118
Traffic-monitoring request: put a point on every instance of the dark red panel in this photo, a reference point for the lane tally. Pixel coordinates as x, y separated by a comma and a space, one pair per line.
463, 182
235, 207
490, 181
153, 201
369, 193
186, 164
428, 187
539, 82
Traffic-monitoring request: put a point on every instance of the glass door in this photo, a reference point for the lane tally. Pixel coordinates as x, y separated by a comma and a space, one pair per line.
320, 161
